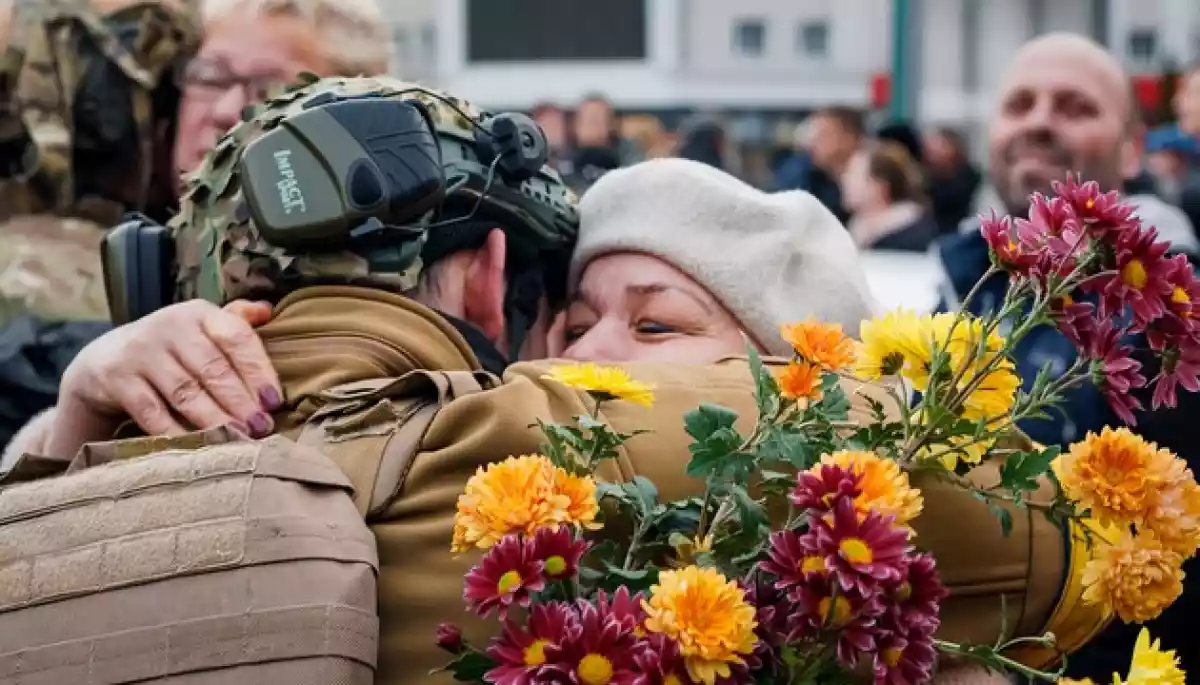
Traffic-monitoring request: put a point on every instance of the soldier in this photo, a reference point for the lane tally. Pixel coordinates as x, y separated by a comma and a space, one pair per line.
88, 99
431, 248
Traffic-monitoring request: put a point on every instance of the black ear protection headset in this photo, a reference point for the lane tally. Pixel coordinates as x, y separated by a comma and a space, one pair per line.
372, 174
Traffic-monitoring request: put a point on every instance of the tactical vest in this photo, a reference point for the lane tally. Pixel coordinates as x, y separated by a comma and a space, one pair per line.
211, 558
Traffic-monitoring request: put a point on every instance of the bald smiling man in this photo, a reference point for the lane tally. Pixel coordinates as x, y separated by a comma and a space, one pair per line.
1065, 105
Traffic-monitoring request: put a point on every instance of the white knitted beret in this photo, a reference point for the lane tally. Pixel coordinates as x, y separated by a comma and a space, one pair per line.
770, 258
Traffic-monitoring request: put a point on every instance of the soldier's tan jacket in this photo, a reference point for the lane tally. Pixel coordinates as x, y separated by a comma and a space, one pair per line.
327, 336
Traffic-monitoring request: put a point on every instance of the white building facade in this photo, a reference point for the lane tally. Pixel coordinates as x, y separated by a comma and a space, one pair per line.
756, 54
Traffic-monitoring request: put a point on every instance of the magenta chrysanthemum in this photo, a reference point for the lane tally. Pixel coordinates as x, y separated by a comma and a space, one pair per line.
791, 559
821, 607
1137, 280
904, 661
507, 575
559, 551
520, 651
623, 607
818, 491
861, 553
596, 649
1115, 372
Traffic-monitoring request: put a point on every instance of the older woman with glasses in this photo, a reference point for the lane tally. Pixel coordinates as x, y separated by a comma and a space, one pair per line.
252, 45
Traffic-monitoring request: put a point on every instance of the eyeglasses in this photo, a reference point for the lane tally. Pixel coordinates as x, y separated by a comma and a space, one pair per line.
214, 78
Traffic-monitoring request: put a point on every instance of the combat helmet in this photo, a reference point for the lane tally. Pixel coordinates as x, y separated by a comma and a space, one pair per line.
362, 181
83, 86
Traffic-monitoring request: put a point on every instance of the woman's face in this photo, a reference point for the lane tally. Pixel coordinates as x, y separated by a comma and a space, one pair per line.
242, 57
858, 188
634, 307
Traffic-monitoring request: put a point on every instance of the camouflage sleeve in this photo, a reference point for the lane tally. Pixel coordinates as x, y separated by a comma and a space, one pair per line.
50, 267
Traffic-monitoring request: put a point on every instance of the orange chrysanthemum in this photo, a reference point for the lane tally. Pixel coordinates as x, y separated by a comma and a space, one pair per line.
1173, 515
885, 488
822, 344
1114, 475
1136, 579
801, 381
707, 615
520, 494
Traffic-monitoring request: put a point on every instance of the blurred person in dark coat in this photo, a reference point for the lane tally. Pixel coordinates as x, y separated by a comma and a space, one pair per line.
885, 190
952, 180
552, 119
1065, 105
834, 134
704, 140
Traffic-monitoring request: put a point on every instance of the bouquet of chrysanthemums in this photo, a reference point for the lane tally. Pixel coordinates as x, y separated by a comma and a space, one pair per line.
832, 584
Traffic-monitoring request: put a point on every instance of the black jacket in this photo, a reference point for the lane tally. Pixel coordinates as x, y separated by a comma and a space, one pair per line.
33, 356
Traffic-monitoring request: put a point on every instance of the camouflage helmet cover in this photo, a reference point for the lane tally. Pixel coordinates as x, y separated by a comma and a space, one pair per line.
44, 69
221, 256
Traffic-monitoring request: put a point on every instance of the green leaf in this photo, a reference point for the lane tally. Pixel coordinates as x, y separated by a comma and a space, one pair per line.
752, 515
783, 447
470, 667
637, 580
776, 483
645, 495
1021, 471
716, 440
835, 405
766, 388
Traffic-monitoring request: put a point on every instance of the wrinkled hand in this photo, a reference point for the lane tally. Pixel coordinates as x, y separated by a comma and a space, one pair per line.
203, 362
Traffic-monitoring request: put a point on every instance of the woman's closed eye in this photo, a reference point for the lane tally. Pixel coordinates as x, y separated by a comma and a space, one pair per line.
648, 327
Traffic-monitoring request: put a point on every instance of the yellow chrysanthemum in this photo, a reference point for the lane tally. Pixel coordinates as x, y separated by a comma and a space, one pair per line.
604, 382
1136, 579
885, 488
889, 345
822, 344
520, 494
905, 343
1151, 665
708, 617
963, 448
1114, 474
801, 381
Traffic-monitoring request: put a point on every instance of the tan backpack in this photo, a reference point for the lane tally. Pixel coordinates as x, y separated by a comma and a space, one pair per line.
214, 559
211, 558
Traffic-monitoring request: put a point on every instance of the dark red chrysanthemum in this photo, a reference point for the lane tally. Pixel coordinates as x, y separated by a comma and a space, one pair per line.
1184, 300
790, 558
660, 663
1138, 279
559, 551
624, 607
520, 650
822, 607
1075, 320
1103, 215
450, 638
862, 554
1010, 250
597, 649
775, 629
818, 491
507, 575
1180, 367
905, 661
1115, 372
913, 606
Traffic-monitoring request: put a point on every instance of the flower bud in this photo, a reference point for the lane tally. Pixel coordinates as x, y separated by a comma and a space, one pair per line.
450, 638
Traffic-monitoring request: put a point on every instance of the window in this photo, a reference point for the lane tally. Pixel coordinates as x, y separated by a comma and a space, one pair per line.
1143, 44
506, 31
812, 39
750, 37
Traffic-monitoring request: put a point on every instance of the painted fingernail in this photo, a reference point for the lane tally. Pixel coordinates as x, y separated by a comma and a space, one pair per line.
270, 399
260, 425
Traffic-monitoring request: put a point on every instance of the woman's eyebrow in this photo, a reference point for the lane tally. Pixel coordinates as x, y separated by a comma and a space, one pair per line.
646, 290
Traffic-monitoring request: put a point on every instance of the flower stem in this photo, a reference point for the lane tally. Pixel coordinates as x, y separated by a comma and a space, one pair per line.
995, 659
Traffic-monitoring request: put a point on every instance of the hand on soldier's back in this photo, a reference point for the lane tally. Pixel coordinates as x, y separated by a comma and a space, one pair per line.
191, 362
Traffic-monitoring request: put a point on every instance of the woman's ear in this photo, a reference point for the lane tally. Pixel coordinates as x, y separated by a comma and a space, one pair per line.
484, 290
